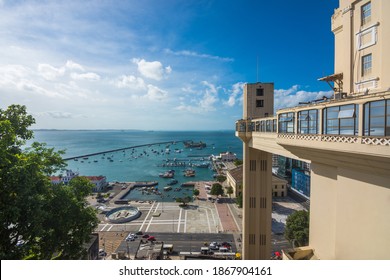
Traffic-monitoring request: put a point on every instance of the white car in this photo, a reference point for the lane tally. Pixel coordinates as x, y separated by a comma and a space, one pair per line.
214, 246
131, 237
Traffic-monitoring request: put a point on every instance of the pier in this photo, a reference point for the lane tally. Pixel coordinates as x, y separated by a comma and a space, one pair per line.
121, 149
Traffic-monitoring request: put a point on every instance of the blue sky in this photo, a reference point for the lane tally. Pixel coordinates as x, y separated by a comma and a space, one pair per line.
161, 65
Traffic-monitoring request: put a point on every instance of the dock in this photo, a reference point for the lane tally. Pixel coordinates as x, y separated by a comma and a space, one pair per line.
121, 149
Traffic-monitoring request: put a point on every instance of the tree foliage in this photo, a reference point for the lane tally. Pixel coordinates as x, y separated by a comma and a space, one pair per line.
239, 200
196, 192
229, 191
221, 178
38, 220
183, 200
216, 189
297, 228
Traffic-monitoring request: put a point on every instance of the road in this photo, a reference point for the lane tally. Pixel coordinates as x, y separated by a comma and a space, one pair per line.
181, 242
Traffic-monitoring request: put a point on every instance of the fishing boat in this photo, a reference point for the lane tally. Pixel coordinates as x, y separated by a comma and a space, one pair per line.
168, 174
189, 173
173, 182
192, 144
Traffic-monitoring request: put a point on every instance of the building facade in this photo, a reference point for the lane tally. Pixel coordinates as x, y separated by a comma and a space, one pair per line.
234, 180
258, 100
346, 140
99, 182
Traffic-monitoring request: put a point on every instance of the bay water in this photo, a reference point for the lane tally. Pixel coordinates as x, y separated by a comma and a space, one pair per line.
144, 163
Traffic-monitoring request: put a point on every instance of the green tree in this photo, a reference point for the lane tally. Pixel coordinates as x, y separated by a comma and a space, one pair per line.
297, 228
183, 200
38, 220
239, 200
216, 189
237, 162
196, 192
229, 191
221, 178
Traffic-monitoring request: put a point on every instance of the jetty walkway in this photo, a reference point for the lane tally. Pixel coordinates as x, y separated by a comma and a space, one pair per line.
122, 149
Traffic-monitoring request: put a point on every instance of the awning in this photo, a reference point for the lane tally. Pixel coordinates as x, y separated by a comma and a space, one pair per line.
337, 79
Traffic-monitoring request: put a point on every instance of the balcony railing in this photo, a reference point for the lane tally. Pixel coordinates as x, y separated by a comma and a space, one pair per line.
350, 120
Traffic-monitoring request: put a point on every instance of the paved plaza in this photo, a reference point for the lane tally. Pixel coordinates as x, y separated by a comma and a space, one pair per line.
201, 216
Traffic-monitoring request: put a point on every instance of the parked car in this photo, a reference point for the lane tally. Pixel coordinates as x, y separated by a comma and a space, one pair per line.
214, 246
145, 236
102, 253
151, 238
139, 233
131, 237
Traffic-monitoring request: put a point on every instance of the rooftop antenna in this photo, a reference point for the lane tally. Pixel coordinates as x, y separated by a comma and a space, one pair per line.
257, 68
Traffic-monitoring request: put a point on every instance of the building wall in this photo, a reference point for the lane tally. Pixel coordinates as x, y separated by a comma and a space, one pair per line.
234, 184
349, 214
354, 40
250, 99
279, 187
257, 204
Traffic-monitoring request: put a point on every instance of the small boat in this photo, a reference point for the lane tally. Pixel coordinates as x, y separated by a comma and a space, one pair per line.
189, 173
173, 182
167, 188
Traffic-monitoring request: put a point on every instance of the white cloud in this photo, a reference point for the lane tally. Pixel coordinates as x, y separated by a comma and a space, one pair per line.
155, 93
153, 69
73, 66
23, 79
56, 114
291, 97
52, 73
85, 76
49, 72
130, 82
199, 55
236, 94
206, 102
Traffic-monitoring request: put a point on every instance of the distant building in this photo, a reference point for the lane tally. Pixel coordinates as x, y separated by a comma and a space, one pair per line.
300, 182
228, 156
279, 186
234, 179
100, 182
149, 250
92, 247
64, 179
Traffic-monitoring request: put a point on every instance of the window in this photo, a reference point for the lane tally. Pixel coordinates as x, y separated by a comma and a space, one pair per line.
268, 126
308, 122
286, 123
259, 92
366, 13
341, 120
366, 64
259, 103
377, 118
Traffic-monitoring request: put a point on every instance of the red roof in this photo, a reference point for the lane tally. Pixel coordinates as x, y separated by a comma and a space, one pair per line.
95, 178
